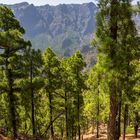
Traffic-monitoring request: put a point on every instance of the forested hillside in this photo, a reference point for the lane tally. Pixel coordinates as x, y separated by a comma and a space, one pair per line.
45, 96
66, 28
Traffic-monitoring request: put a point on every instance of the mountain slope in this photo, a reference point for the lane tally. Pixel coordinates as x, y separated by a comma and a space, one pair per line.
66, 28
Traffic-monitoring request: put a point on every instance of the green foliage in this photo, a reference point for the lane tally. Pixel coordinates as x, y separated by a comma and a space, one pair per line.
43, 95
11, 34
118, 47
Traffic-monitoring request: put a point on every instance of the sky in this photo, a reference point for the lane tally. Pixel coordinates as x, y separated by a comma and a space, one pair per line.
51, 2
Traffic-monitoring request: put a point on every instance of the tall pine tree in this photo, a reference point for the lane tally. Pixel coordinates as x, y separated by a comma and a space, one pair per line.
116, 45
11, 41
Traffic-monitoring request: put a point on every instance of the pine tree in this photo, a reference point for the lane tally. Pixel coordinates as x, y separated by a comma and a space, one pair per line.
66, 87
77, 64
11, 41
31, 83
98, 86
117, 49
50, 71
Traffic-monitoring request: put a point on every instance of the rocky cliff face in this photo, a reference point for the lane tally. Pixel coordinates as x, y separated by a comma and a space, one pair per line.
66, 28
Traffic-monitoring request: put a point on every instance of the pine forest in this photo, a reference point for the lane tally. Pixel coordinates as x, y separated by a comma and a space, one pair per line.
47, 96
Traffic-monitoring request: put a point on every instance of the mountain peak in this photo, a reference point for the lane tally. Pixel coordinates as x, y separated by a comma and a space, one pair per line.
22, 4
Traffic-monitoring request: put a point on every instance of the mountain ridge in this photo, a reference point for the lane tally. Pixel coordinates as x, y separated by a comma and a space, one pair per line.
65, 27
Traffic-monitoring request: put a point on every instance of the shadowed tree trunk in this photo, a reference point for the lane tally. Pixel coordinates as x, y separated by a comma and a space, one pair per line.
51, 116
32, 100
119, 109
136, 123
11, 97
119, 119
11, 105
125, 121
66, 116
112, 124
78, 107
98, 111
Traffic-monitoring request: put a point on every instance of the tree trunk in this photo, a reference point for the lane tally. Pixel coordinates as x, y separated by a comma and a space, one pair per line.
47, 128
11, 97
97, 121
119, 119
12, 105
136, 124
112, 124
32, 100
51, 116
66, 116
78, 107
119, 110
136, 131
125, 121
33, 115
72, 131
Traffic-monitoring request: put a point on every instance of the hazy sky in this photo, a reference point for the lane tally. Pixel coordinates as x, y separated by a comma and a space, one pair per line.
51, 2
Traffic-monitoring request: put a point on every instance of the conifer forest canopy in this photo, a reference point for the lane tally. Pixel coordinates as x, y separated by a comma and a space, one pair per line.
48, 96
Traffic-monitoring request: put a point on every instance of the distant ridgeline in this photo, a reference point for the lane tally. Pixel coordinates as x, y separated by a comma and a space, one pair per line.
66, 27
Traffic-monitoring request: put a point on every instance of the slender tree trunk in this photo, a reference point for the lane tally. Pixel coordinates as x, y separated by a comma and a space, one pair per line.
125, 121
98, 111
47, 128
79, 133
72, 131
62, 132
127, 93
6, 126
78, 108
33, 115
11, 99
136, 124
32, 100
25, 126
51, 116
75, 133
73, 128
66, 116
129, 121
119, 110
136, 131
97, 123
119, 119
